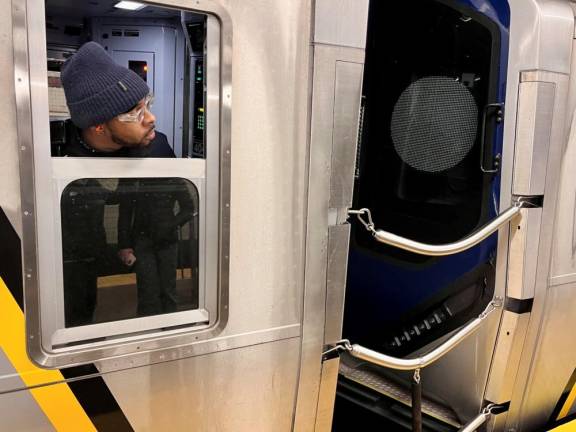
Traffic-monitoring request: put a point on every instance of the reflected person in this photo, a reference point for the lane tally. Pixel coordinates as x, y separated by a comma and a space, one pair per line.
148, 237
110, 109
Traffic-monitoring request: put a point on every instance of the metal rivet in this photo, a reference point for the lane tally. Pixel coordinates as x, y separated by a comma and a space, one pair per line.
23, 148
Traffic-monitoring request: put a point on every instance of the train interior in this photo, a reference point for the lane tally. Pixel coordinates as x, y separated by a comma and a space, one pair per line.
427, 168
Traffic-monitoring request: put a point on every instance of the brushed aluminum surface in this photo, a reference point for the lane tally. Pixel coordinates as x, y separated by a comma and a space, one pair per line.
507, 356
268, 177
547, 358
534, 123
541, 42
322, 140
20, 412
341, 22
338, 241
524, 239
552, 361
564, 252
497, 422
539, 31
327, 395
347, 94
249, 389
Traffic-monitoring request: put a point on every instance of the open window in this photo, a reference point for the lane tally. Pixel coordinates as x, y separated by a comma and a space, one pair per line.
130, 247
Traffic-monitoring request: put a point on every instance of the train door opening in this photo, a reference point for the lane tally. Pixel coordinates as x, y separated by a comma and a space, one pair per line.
429, 151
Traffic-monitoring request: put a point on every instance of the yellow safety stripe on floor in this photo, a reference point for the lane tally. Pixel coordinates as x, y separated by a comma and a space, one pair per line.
56, 401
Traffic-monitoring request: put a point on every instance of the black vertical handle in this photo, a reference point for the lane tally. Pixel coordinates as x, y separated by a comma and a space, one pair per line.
416, 402
483, 142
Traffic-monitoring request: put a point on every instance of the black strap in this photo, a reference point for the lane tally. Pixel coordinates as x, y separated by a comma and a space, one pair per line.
416, 402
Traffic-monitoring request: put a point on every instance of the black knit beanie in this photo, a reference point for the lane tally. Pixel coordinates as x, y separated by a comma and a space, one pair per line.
97, 89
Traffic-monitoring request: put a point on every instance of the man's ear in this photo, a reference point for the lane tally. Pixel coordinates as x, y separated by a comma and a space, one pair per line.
99, 129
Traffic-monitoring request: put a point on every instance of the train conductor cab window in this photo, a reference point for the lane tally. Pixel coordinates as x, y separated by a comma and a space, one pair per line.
132, 204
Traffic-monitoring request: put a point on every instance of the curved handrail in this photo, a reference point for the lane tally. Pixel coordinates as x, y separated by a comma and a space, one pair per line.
443, 249
423, 361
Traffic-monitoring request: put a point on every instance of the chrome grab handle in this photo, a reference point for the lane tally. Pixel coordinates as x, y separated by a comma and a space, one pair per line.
443, 249
421, 362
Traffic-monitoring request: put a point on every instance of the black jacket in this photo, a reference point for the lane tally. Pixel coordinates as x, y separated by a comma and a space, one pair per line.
146, 206
148, 210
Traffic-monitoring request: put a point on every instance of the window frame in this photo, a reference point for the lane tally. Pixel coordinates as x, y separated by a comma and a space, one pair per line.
66, 171
41, 213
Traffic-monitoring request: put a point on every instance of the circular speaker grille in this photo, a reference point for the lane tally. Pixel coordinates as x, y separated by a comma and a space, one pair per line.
434, 124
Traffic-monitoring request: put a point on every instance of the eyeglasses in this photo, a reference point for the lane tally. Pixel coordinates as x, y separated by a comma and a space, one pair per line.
136, 116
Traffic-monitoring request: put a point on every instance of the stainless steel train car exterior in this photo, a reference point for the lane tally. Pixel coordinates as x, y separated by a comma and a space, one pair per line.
283, 102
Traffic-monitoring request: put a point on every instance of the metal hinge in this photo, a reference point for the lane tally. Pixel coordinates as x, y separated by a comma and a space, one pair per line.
334, 350
483, 417
528, 201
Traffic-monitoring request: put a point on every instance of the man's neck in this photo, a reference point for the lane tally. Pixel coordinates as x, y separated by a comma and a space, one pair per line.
98, 142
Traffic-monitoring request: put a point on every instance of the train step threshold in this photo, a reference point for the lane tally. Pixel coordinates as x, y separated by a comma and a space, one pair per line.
371, 376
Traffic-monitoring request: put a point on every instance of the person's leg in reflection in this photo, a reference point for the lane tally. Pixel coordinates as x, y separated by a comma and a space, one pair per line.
167, 260
147, 278
79, 292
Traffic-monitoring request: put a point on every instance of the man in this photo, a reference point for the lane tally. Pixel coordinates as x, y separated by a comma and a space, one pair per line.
110, 107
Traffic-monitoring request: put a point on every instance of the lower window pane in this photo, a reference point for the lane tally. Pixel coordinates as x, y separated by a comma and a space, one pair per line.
130, 248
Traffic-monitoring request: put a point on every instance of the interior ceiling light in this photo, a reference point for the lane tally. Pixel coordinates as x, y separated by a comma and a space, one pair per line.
129, 5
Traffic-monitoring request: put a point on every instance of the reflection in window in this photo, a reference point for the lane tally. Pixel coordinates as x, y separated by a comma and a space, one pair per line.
130, 248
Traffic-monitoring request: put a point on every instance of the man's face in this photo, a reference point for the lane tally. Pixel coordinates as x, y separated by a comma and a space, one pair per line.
138, 133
